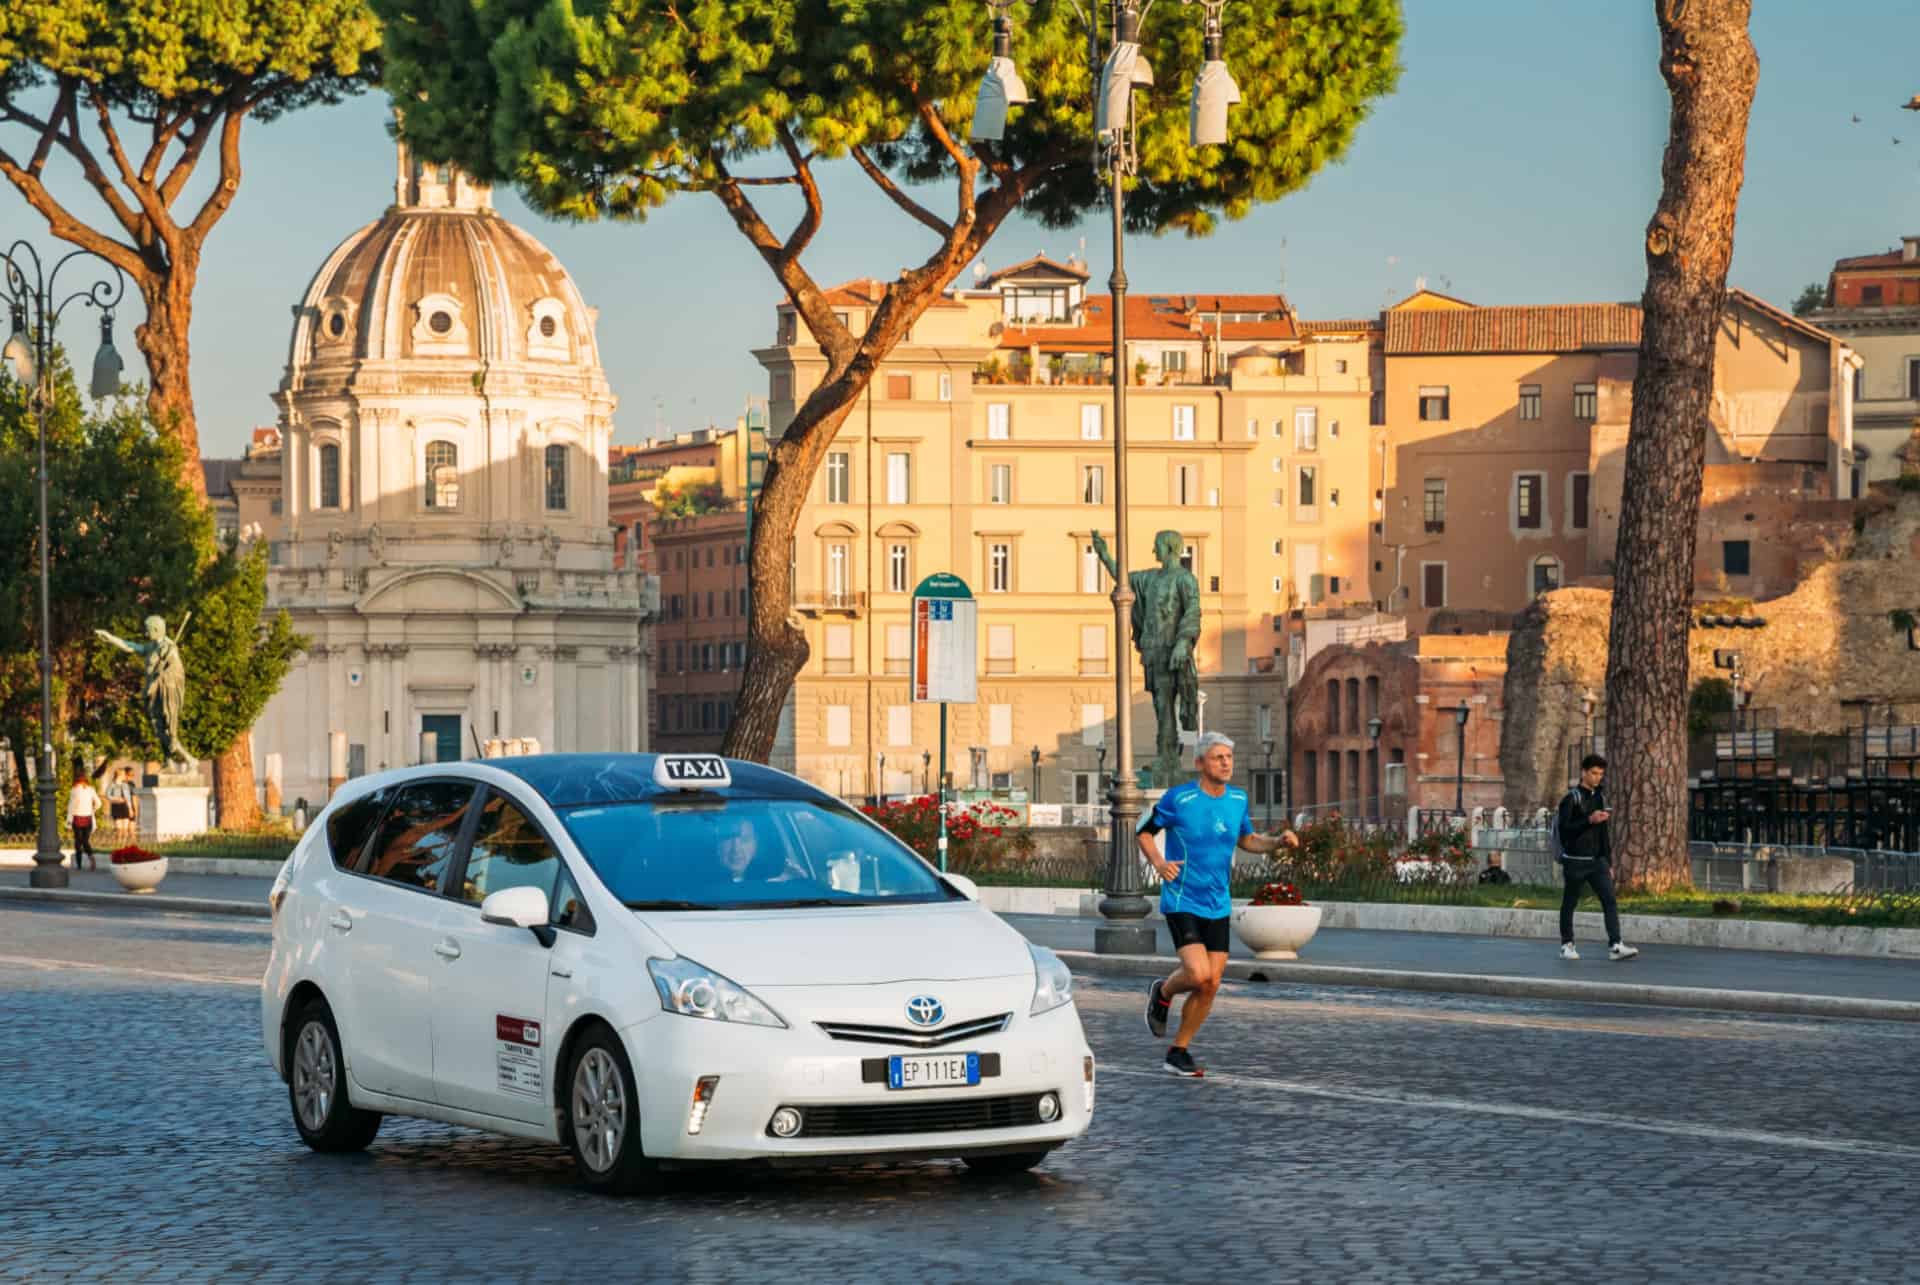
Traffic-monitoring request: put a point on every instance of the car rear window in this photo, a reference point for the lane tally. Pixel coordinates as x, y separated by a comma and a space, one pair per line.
747, 853
350, 824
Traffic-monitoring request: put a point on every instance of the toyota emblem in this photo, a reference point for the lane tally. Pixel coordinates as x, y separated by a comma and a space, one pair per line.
925, 1010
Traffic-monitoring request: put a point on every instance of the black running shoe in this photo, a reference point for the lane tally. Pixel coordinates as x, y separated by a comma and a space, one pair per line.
1157, 1007
1180, 1062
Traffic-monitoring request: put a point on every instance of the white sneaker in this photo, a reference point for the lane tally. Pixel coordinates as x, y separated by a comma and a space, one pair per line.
1568, 952
1620, 950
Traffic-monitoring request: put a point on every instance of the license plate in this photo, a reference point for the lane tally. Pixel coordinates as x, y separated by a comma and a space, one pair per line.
933, 1071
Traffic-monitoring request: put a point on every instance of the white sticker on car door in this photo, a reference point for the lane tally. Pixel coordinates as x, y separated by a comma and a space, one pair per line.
516, 1043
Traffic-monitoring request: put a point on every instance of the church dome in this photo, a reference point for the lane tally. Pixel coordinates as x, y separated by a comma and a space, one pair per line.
441, 277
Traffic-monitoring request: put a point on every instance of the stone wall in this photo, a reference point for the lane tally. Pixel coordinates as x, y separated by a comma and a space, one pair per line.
1828, 641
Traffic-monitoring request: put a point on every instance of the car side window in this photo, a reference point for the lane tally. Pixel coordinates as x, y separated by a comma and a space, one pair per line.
570, 908
351, 824
508, 852
420, 834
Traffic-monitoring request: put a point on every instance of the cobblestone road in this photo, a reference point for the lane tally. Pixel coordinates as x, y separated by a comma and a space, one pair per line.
1343, 1136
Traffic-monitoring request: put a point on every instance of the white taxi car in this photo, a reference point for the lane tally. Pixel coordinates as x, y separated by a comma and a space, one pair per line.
657, 959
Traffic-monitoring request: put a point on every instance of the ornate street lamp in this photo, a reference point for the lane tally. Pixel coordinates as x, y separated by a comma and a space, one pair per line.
34, 310
1266, 747
1374, 726
1460, 713
926, 771
1034, 794
1123, 69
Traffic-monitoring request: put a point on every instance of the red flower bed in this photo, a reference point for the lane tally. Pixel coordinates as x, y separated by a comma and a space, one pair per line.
975, 832
132, 855
1279, 894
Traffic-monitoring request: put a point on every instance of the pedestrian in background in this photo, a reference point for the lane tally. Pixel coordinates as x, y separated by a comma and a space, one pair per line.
82, 803
1586, 857
121, 806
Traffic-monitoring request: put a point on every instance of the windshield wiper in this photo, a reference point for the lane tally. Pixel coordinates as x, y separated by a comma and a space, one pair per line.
802, 903
668, 905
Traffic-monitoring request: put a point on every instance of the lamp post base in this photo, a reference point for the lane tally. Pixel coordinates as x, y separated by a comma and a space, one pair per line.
1125, 937
47, 873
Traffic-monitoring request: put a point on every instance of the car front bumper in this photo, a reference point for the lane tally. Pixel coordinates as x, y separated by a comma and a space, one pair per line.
845, 1112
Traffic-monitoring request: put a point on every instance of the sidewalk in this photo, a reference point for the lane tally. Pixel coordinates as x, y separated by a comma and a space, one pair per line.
1667, 976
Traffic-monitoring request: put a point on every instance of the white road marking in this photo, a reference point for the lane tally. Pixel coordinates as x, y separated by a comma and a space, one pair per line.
1545, 1115
71, 965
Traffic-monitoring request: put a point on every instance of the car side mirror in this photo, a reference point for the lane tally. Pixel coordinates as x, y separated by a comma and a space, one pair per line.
519, 908
963, 885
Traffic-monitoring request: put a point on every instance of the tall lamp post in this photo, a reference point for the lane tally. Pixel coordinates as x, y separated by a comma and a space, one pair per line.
1122, 69
1460, 713
1374, 726
1033, 795
926, 771
34, 307
1266, 748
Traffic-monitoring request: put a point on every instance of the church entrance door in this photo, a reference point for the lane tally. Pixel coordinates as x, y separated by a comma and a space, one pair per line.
445, 729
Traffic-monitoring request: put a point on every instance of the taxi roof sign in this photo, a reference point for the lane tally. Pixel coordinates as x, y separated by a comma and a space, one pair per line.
691, 772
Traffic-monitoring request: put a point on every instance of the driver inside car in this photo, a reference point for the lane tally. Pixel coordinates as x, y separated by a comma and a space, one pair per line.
741, 859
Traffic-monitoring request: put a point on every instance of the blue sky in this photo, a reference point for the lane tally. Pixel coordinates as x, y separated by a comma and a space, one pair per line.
1518, 163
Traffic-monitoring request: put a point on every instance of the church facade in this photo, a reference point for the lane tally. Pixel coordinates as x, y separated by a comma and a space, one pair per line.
446, 548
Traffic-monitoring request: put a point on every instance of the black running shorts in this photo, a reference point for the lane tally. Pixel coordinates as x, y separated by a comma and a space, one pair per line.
1192, 930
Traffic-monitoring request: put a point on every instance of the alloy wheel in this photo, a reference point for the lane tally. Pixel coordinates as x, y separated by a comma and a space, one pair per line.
313, 1075
599, 1109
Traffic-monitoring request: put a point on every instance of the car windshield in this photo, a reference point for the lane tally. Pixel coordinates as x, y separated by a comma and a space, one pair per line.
744, 853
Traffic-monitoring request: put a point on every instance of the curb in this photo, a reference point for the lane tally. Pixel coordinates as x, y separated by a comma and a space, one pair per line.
1702, 997
139, 903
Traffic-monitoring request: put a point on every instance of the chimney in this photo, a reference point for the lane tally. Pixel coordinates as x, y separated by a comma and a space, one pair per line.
1910, 248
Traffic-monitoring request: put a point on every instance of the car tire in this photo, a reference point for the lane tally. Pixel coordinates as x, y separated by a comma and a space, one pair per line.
1003, 1166
317, 1085
600, 1118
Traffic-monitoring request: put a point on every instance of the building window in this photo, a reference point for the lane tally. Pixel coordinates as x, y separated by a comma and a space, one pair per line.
1578, 488
897, 568
999, 649
1253, 429
1279, 497
838, 576
1279, 547
1526, 500
839, 658
1093, 421
1190, 558
1433, 584
1182, 423
1736, 557
1186, 484
1586, 402
1871, 296
899, 475
1279, 584
1435, 402
1093, 484
1859, 382
839, 726
1546, 574
899, 388
1093, 724
999, 725
329, 475
946, 386
443, 475
1093, 574
1529, 401
1000, 568
1173, 359
899, 648
1340, 365
1913, 379
1434, 505
1093, 649
1306, 428
1000, 484
839, 471
1377, 407
1308, 496
999, 421
556, 477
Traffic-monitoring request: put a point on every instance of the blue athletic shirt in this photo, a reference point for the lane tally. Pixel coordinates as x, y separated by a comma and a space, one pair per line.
1201, 832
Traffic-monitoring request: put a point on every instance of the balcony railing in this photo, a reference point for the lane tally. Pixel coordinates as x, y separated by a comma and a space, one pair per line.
821, 601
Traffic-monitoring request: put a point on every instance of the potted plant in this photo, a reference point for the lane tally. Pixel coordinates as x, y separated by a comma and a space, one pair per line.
1278, 922
1140, 371
137, 869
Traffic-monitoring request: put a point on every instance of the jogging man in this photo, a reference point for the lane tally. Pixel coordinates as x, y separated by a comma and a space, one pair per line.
1204, 822
1586, 857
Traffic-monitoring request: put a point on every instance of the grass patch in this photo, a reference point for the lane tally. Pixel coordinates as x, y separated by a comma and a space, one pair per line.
267, 847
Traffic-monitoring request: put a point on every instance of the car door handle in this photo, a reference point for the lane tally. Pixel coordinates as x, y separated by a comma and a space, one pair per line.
447, 950
342, 920
559, 971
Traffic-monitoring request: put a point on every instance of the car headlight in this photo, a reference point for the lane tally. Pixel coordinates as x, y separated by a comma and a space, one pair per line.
693, 990
1052, 983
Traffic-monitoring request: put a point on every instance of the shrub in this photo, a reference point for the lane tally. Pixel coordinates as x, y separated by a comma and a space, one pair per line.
977, 835
1279, 894
132, 855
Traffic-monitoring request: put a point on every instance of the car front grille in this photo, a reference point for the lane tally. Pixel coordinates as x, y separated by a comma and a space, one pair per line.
946, 1115
917, 1038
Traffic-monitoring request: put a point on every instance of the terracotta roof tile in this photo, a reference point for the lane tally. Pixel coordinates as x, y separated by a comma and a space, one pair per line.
1151, 317
1353, 325
1891, 259
1037, 261
1572, 327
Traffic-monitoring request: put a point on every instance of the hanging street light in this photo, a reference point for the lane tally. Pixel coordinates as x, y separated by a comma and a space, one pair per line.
1001, 87
1214, 89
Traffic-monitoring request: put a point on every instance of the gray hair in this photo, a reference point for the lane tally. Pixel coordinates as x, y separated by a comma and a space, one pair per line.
1207, 741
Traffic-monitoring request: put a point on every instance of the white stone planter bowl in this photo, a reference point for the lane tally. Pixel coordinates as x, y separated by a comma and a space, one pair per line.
1276, 932
141, 876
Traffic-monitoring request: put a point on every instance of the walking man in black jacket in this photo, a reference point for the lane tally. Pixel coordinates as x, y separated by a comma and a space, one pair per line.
1586, 857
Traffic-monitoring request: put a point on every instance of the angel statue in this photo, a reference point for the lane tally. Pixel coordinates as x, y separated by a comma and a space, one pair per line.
164, 688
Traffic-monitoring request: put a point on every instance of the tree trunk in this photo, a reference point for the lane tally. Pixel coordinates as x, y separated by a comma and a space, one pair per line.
162, 340
776, 649
1710, 69
233, 787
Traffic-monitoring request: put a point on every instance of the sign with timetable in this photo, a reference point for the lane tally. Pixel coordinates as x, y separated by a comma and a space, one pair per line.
945, 650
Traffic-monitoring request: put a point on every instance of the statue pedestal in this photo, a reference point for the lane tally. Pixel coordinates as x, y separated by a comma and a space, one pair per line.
174, 809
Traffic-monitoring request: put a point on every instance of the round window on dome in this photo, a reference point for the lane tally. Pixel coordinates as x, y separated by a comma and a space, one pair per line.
548, 327
337, 324
440, 322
